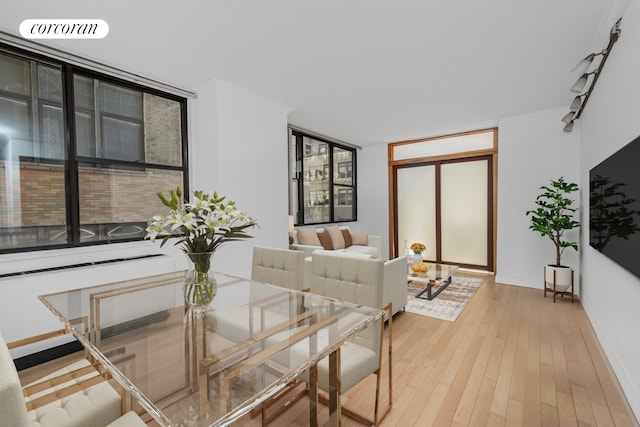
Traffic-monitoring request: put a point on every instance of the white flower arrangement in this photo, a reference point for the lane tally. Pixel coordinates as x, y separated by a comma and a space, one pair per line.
201, 225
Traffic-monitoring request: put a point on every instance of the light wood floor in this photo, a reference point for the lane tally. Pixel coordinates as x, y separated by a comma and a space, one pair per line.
513, 358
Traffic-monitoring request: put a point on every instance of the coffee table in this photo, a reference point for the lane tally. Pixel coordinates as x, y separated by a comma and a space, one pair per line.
438, 274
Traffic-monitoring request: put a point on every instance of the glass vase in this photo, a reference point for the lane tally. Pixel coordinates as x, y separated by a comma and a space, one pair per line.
200, 285
413, 259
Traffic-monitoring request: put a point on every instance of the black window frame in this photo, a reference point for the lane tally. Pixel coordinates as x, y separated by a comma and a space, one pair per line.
72, 160
297, 175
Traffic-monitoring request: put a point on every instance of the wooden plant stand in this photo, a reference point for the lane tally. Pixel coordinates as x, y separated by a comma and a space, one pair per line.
556, 292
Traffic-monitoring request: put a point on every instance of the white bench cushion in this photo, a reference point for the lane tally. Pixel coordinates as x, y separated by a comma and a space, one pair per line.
362, 250
130, 419
95, 406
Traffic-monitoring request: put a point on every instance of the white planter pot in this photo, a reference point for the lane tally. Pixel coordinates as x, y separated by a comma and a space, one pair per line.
563, 277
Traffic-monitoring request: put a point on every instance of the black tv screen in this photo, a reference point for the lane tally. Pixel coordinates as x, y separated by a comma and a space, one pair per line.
614, 207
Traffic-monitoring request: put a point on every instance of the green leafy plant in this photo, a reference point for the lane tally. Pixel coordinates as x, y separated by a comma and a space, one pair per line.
554, 215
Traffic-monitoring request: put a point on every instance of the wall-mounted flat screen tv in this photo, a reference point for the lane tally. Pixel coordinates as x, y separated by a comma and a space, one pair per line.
614, 207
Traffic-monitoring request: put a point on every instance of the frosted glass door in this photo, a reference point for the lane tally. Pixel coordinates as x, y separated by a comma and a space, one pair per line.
416, 208
464, 210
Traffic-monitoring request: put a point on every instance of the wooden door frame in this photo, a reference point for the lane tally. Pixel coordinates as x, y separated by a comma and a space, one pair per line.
490, 154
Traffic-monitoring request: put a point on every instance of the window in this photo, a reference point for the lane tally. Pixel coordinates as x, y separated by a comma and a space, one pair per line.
345, 170
345, 197
323, 187
82, 154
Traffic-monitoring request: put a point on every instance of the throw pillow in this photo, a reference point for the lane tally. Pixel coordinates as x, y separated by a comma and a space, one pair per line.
325, 240
337, 241
308, 236
347, 238
360, 239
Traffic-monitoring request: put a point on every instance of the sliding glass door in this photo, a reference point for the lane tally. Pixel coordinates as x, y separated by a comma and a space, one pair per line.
447, 205
464, 212
416, 210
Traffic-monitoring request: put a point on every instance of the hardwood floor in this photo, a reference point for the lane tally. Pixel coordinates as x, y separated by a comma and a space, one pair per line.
512, 358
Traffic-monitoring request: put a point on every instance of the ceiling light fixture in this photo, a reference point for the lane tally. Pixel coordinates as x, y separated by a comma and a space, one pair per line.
578, 104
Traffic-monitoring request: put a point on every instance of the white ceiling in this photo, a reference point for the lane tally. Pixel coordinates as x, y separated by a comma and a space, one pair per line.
363, 71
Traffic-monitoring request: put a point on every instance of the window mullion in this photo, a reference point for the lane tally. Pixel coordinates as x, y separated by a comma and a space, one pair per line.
299, 177
35, 107
331, 161
97, 118
71, 170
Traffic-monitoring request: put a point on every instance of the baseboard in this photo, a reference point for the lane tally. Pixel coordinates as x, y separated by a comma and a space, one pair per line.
47, 355
517, 282
617, 369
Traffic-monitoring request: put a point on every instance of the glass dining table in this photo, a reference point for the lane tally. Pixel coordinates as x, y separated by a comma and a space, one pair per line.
210, 367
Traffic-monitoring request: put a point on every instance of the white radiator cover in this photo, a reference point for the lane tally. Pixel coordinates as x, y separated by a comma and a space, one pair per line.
23, 315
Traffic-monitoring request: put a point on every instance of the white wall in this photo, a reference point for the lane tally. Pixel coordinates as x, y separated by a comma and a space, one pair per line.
532, 150
373, 193
610, 294
240, 150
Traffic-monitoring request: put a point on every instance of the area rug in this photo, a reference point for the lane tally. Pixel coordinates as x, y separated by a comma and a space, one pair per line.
448, 304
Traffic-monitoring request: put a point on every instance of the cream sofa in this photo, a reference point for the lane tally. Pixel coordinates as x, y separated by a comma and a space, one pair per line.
373, 246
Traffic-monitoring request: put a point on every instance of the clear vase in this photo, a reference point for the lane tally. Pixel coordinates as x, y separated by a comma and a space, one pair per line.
200, 285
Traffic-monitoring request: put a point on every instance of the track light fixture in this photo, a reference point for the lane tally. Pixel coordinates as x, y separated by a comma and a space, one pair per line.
579, 85
579, 102
584, 64
576, 104
568, 127
568, 118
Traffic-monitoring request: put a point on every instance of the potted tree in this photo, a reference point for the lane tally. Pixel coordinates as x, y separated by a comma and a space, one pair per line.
553, 218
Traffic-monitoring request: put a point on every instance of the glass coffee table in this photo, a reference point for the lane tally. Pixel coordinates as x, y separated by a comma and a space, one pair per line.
437, 274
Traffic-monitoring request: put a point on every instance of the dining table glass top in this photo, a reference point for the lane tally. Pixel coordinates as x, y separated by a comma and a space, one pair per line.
205, 367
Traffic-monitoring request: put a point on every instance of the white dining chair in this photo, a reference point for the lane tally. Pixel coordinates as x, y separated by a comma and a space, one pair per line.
359, 281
